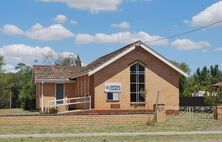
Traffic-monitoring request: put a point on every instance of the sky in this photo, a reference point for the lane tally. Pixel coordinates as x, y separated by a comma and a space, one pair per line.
30, 29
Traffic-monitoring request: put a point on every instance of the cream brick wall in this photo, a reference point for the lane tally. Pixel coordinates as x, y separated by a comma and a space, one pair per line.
159, 77
78, 119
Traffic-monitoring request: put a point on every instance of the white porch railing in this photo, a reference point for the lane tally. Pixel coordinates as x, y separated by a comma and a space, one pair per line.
68, 101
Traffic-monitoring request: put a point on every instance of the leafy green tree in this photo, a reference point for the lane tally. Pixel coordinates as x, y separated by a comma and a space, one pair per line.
203, 80
26, 92
183, 83
5, 84
78, 61
1, 62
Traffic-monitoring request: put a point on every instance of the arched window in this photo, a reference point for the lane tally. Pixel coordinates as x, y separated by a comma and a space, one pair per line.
137, 83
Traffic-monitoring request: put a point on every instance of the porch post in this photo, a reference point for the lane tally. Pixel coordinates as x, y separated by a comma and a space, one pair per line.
42, 108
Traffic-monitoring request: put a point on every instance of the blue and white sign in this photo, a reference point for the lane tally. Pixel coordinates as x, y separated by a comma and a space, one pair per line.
112, 87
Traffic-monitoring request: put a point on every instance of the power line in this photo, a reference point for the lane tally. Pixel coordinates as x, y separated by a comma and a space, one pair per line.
184, 33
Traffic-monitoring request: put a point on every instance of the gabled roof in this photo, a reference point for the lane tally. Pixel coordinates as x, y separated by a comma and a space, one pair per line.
103, 61
53, 73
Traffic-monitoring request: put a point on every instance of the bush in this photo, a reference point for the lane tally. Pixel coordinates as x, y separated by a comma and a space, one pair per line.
27, 98
151, 122
53, 110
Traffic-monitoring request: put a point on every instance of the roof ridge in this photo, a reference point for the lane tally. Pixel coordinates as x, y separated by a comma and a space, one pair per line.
136, 42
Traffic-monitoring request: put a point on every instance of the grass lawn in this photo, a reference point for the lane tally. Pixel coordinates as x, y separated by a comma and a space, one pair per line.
171, 124
17, 111
193, 138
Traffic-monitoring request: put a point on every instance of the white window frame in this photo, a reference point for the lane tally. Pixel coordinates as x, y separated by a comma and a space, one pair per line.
137, 82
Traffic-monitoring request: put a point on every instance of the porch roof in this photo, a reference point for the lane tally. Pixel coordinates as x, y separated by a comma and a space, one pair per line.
52, 72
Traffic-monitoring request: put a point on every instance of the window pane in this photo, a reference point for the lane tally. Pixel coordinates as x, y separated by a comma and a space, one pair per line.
112, 96
133, 87
133, 68
109, 96
132, 77
133, 97
141, 87
141, 78
115, 96
142, 98
141, 68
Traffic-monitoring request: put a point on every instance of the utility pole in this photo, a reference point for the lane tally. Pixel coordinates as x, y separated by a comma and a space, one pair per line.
10, 101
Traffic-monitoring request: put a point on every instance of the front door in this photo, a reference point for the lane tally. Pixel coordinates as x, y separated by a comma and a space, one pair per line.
59, 93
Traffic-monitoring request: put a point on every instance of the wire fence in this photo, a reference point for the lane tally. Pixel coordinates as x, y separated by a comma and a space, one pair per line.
194, 113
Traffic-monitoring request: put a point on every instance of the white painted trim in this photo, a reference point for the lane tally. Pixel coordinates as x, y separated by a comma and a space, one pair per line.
112, 60
42, 91
131, 49
63, 90
53, 81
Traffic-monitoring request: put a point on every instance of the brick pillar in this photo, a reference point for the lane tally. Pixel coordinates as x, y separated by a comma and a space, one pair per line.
160, 113
218, 113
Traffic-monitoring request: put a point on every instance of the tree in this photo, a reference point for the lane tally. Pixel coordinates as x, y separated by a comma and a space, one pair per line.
1, 62
70, 60
5, 84
78, 61
26, 97
66, 61
203, 80
49, 58
183, 82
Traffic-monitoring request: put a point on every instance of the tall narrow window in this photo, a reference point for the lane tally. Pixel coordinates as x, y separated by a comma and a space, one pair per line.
137, 83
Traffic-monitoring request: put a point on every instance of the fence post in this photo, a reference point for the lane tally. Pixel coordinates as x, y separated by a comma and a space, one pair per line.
90, 102
218, 113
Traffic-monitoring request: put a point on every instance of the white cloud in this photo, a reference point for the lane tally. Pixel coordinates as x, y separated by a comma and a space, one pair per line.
9, 68
93, 6
211, 14
60, 18
186, 44
121, 37
219, 49
66, 54
122, 25
17, 53
11, 30
38, 32
74, 22
53, 32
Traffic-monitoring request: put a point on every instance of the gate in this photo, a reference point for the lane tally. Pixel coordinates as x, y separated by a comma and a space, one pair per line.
195, 112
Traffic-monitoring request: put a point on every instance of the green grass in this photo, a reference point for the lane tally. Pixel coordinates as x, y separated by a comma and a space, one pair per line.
122, 138
169, 125
17, 111
172, 124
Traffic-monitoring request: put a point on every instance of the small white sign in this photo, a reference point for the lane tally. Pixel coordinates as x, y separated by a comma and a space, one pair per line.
112, 87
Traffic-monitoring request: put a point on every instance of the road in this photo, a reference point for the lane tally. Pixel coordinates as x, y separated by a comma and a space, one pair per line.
13, 136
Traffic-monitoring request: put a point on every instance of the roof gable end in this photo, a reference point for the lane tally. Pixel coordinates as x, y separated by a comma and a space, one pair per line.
134, 46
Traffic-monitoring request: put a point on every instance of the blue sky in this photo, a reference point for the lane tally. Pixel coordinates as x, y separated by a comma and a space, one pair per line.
92, 28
